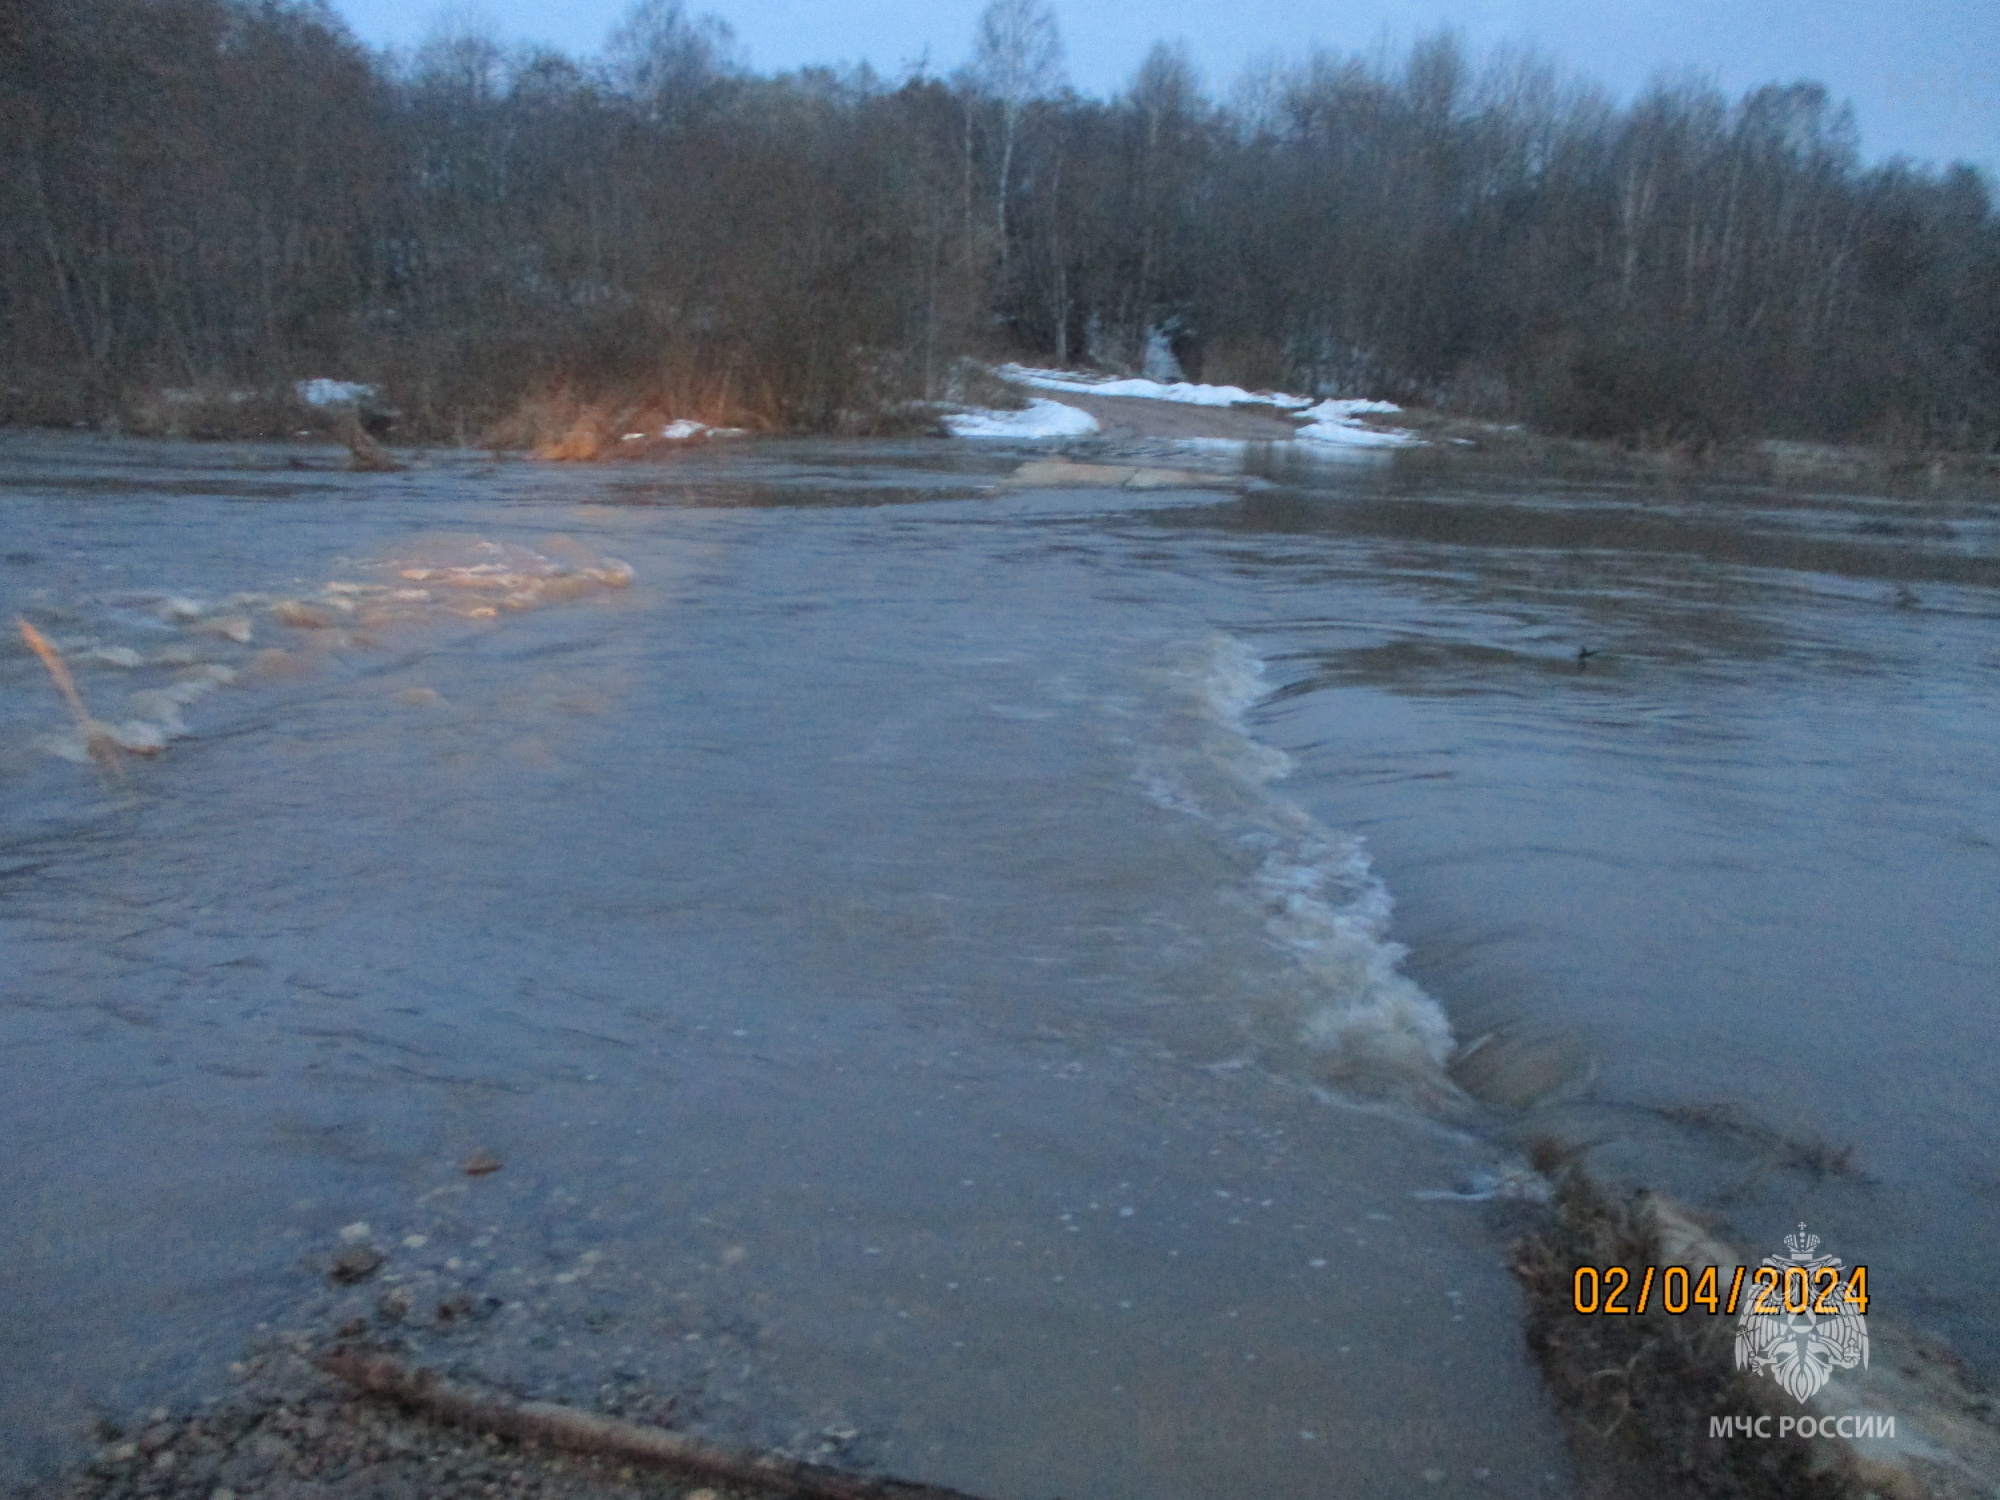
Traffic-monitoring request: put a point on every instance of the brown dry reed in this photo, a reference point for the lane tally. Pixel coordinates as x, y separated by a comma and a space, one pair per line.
367, 456
571, 421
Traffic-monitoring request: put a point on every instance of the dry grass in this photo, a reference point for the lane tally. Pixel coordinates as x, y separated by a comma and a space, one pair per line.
1255, 362
575, 423
973, 383
213, 412
367, 454
1637, 1392
1811, 1154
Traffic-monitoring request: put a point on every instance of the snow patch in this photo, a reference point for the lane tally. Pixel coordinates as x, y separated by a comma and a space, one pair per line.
1334, 422
1160, 361
684, 430
1042, 419
324, 392
1326, 421
1151, 390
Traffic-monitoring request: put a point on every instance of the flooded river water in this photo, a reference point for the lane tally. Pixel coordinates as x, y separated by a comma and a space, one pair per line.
1049, 986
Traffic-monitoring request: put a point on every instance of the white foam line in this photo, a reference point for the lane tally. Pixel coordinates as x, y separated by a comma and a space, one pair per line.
1322, 899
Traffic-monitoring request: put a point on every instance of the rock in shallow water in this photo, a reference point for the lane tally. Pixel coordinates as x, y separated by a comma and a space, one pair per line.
356, 1263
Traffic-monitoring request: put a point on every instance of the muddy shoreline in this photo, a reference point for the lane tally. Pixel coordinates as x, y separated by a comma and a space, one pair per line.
1130, 420
289, 1428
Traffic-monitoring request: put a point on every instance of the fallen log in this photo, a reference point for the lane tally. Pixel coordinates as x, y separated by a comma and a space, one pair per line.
607, 1437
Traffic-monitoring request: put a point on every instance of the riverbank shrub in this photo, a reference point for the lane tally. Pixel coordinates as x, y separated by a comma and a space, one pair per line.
230, 195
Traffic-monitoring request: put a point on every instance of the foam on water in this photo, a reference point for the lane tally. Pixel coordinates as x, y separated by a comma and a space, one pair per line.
421, 582
1362, 1022
480, 582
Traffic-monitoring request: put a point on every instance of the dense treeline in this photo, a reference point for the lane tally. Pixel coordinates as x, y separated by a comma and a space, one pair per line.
229, 194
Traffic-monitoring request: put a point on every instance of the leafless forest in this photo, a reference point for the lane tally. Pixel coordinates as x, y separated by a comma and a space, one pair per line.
227, 195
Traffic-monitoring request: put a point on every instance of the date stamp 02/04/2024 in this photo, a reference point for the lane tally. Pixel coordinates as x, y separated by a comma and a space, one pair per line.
1774, 1291
1799, 1317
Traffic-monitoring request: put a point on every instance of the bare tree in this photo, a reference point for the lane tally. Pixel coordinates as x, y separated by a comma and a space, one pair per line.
462, 51
1016, 59
228, 192
667, 61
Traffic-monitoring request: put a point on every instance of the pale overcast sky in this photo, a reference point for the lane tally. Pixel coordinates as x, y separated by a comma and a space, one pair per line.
1923, 75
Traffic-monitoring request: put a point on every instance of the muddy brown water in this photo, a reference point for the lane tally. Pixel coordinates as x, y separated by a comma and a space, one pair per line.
980, 969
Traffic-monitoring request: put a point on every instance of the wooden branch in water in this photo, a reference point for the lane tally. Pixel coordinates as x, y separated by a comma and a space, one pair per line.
586, 1432
58, 669
96, 736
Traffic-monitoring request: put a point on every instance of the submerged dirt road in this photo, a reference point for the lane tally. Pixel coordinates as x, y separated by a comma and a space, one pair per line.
1142, 417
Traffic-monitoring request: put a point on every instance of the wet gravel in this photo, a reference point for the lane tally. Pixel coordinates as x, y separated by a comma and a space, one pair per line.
292, 1432
436, 1297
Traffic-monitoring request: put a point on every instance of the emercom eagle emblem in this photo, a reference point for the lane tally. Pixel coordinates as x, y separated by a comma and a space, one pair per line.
1800, 1321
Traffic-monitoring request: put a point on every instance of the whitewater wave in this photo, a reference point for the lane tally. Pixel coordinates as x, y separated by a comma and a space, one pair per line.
1360, 1021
